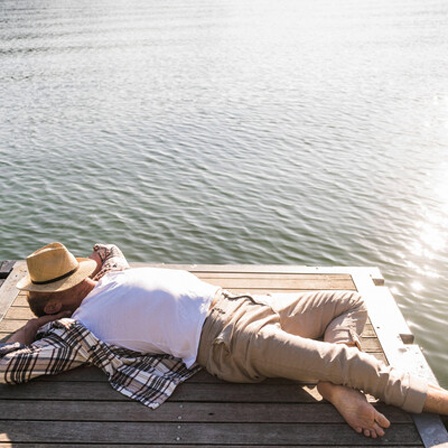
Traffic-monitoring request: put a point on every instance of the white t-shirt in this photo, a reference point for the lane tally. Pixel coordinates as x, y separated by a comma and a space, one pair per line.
149, 310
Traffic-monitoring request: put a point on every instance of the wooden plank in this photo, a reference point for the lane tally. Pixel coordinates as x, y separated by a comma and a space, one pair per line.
6, 268
9, 325
20, 300
290, 284
222, 434
372, 272
90, 374
18, 313
101, 391
180, 445
8, 290
211, 412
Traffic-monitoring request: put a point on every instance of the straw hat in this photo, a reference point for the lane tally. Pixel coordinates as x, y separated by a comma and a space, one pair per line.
53, 268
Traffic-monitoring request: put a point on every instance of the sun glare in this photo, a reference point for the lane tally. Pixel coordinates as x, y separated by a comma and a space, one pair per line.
430, 241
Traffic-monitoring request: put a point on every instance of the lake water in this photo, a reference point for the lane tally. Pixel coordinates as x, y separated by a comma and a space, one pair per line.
245, 131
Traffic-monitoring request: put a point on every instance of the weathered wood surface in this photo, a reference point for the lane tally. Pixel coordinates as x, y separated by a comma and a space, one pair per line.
80, 408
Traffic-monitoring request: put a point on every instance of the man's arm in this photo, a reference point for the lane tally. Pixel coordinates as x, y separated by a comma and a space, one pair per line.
108, 257
21, 359
26, 334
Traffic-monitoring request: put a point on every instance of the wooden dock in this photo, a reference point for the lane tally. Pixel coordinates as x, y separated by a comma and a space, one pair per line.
79, 408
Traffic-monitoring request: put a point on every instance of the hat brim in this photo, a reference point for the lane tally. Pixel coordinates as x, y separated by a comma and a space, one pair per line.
85, 268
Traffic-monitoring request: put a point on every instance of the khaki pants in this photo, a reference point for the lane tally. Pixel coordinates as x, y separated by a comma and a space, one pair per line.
309, 336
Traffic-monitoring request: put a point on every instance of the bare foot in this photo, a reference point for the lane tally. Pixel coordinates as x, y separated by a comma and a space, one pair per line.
355, 409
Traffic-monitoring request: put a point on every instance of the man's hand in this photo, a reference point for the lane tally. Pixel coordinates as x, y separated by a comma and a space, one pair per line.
99, 262
27, 333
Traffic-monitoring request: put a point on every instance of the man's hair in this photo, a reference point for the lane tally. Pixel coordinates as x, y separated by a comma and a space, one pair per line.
37, 302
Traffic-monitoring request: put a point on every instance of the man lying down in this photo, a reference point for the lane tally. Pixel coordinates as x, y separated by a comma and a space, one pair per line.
149, 329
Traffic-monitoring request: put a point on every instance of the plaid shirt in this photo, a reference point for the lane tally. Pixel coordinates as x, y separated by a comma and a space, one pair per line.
66, 344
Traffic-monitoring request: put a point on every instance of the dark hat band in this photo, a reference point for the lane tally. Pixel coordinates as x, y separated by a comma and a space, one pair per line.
68, 274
